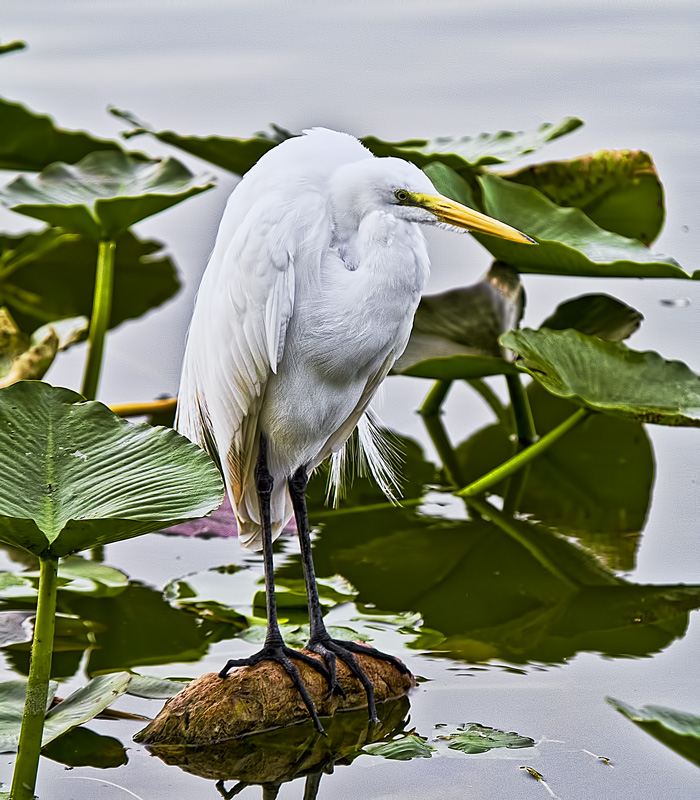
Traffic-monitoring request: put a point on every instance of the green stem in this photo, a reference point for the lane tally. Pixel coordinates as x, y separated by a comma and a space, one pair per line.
27, 763
518, 461
492, 400
522, 413
101, 309
430, 411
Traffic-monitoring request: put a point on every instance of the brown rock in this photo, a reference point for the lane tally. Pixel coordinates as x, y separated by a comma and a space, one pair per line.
260, 698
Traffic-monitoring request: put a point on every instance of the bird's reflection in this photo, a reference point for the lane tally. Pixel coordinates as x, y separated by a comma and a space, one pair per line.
271, 759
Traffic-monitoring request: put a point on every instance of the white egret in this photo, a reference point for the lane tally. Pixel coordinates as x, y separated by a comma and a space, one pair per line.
307, 301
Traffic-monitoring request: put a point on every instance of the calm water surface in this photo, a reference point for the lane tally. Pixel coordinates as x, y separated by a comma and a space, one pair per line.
398, 70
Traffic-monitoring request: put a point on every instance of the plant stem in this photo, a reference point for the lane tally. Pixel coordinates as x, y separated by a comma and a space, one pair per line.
522, 413
99, 320
491, 398
430, 411
27, 763
142, 409
518, 461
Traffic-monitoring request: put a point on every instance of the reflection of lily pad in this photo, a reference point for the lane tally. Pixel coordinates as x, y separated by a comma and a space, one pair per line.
402, 749
594, 484
475, 738
82, 747
678, 730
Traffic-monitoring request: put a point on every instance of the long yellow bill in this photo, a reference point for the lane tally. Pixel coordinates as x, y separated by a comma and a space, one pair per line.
453, 213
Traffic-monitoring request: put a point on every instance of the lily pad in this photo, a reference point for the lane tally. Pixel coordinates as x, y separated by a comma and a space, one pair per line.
75, 574
678, 730
404, 748
596, 315
234, 155
28, 358
474, 738
608, 376
569, 242
618, 189
455, 334
473, 151
104, 194
31, 141
153, 688
77, 476
12, 694
49, 276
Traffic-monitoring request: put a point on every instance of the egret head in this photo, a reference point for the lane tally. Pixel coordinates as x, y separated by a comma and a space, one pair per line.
398, 187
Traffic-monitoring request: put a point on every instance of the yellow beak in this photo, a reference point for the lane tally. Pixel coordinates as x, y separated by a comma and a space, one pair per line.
453, 213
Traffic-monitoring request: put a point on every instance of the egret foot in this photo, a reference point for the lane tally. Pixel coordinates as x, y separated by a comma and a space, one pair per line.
283, 655
333, 649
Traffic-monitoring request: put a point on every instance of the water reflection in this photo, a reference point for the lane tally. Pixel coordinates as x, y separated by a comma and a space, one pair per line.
272, 759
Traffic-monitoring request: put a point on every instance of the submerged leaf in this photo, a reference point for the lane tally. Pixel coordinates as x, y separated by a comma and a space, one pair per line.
569, 242
618, 189
608, 376
104, 194
678, 730
402, 749
475, 738
77, 476
473, 151
31, 141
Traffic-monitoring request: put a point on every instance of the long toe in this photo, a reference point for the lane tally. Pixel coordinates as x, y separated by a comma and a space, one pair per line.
331, 664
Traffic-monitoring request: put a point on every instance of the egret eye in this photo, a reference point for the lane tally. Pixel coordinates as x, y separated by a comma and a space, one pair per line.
401, 195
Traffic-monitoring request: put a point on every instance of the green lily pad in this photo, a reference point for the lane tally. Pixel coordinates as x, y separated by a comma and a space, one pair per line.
404, 748
596, 315
104, 194
12, 694
455, 334
75, 574
473, 151
49, 276
678, 730
81, 747
77, 476
28, 358
31, 141
234, 155
153, 688
569, 242
618, 189
474, 738
608, 376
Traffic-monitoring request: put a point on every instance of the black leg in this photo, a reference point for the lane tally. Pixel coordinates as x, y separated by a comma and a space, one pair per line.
274, 648
320, 641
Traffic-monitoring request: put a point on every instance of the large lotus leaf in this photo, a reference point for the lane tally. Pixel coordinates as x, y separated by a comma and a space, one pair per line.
31, 141
449, 183
49, 277
77, 476
234, 155
28, 358
596, 315
569, 242
102, 195
678, 730
595, 483
403, 748
618, 189
454, 327
473, 151
608, 376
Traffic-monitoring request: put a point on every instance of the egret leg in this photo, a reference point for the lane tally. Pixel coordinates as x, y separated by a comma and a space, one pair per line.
320, 641
274, 648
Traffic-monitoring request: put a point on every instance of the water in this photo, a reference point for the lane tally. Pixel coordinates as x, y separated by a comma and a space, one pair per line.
398, 70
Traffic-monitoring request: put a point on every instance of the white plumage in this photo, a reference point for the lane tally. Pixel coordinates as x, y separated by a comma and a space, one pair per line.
306, 302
